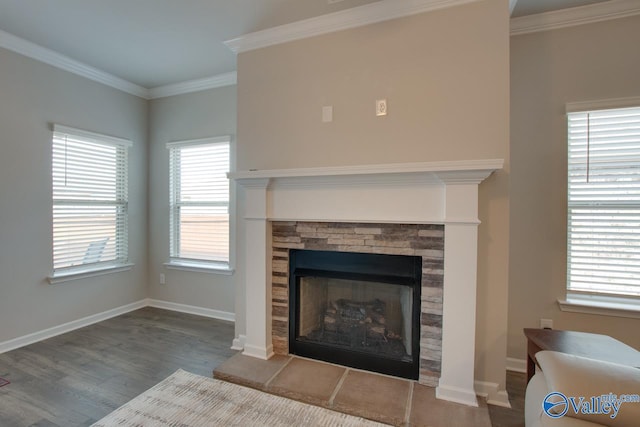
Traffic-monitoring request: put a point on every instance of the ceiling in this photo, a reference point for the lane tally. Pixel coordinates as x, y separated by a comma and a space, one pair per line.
154, 43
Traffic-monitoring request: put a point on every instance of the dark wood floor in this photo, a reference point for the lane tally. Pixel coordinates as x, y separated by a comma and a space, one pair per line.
514, 417
77, 378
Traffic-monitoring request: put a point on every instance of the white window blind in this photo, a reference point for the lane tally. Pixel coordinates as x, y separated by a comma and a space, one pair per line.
604, 202
199, 200
89, 175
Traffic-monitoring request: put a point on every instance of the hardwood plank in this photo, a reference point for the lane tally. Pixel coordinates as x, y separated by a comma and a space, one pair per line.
76, 378
514, 416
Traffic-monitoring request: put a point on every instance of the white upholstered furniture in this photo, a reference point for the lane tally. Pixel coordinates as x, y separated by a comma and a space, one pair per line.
576, 376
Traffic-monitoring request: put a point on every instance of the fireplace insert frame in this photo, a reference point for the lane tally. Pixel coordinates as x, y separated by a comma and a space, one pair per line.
398, 270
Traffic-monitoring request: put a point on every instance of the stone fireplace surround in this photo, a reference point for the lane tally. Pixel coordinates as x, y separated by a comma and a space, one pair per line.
444, 193
424, 240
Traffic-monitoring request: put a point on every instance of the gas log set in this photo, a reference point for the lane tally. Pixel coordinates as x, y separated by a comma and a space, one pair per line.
359, 325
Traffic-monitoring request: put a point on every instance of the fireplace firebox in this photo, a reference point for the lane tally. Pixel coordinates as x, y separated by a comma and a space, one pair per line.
356, 309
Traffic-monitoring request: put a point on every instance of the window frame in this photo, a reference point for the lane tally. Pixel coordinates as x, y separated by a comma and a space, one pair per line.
608, 304
120, 202
202, 265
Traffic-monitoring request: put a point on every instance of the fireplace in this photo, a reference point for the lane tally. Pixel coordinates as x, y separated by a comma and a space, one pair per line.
356, 309
433, 194
406, 255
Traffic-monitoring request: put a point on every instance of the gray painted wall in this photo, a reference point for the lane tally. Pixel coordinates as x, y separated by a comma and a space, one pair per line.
584, 63
32, 96
183, 117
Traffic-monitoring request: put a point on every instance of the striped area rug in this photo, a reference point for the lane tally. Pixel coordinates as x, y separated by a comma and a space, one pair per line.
186, 399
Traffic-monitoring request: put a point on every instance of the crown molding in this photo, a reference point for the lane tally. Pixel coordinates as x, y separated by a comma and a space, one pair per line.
23, 47
596, 12
220, 80
48, 56
349, 18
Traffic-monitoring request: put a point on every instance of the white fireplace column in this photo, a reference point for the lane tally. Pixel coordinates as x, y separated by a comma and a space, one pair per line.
258, 269
412, 193
459, 291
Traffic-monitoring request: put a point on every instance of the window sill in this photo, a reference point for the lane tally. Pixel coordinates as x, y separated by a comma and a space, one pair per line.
83, 273
602, 305
201, 267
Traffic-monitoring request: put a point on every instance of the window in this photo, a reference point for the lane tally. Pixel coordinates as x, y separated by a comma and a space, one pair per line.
89, 176
199, 202
604, 203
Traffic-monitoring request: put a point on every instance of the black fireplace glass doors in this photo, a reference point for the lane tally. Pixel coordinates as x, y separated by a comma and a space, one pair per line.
358, 310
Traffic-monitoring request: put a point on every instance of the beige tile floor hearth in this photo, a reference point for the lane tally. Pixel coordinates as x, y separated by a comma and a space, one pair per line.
381, 398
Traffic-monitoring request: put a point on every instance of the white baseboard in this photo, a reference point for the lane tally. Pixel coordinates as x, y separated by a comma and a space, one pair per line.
18, 342
516, 365
69, 326
192, 309
238, 343
492, 393
457, 395
263, 353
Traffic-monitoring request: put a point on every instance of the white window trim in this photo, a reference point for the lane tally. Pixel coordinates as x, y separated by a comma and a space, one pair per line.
616, 306
603, 104
83, 271
201, 141
599, 304
212, 267
92, 136
201, 267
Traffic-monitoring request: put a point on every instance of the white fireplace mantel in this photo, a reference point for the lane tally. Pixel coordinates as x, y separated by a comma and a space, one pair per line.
471, 170
431, 192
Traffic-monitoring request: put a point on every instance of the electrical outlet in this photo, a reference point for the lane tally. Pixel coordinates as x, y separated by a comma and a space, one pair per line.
381, 107
162, 281
546, 323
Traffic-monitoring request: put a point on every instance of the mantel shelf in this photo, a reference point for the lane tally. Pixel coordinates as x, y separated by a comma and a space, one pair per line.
444, 170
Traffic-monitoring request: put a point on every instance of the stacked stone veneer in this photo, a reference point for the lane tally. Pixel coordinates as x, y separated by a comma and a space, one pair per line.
425, 240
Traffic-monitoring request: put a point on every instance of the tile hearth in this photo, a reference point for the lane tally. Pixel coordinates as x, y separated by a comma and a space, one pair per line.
381, 398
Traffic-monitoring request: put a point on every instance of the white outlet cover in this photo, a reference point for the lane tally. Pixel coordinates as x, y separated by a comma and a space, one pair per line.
381, 107
327, 114
546, 323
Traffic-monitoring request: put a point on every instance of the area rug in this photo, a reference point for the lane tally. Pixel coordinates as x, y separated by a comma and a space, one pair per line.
189, 400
